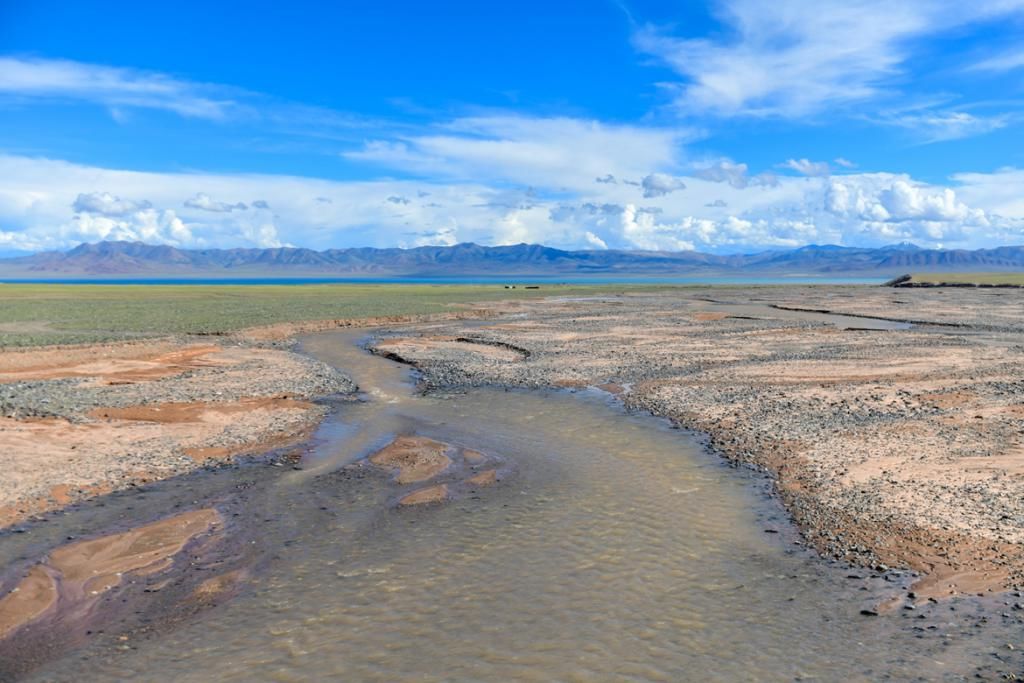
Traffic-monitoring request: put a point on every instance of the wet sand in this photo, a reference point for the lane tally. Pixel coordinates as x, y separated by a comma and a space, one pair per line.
73, 576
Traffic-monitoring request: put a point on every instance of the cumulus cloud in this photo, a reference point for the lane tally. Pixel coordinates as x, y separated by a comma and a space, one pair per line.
845, 163
395, 199
814, 169
595, 241
146, 225
901, 201
727, 171
607, 179
260, 204
897, 208
660, 184
38, 198
642, 229
205, 202
106, 204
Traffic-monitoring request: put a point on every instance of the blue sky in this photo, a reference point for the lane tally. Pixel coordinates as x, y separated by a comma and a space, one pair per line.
727, 126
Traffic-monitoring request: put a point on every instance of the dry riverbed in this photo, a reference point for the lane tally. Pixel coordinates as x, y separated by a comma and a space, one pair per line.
890, 447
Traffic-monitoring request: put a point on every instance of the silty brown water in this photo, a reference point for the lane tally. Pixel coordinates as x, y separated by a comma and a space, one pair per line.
613, 549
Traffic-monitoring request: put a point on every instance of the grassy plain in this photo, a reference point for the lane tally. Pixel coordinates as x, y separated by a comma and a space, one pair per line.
37, 314
969, 278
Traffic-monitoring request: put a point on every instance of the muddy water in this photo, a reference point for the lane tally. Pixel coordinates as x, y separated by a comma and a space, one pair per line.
613, 549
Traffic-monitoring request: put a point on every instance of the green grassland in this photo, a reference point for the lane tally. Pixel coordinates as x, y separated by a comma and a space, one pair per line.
969, 278
37, 314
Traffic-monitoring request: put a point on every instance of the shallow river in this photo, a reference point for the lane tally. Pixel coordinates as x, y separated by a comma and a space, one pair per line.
613, 548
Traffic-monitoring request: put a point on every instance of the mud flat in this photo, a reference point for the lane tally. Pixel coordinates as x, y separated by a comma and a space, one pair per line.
892, 420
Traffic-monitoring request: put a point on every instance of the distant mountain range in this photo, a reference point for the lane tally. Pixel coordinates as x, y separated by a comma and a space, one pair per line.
136, 259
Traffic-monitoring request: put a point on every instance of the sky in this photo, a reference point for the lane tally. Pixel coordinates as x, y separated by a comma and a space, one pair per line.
730, 126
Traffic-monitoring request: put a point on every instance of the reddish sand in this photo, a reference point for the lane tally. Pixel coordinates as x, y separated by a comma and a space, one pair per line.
431, 494
416, 458
79, 572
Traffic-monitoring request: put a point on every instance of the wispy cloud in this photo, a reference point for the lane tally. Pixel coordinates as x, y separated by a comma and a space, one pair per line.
113, 87
1008, 61
794, 58
124, 91
941, 126
550, 151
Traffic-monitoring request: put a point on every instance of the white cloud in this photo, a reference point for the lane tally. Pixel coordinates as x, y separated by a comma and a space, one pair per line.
595, 241
727, 171
794, 58
660, 184
205, 202
899, 201
1001, 193
642, 229
845, 163
146, 225
1007, 61
814, 169
110, 86
106, 204
38, 198
551, 152
940, 126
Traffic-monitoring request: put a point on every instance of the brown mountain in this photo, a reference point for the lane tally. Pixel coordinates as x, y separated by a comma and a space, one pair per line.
136, 259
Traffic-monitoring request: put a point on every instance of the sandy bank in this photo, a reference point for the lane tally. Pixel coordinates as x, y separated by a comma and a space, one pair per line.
80, 422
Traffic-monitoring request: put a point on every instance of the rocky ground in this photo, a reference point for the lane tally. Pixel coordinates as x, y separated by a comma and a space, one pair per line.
892, 445
83, 421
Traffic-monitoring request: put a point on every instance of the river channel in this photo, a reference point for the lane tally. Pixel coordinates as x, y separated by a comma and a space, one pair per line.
610, 547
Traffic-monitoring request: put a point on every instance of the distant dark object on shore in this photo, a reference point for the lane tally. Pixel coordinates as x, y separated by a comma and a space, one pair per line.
982, 280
